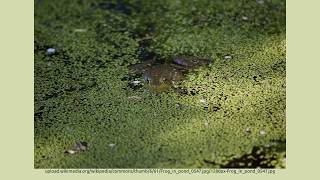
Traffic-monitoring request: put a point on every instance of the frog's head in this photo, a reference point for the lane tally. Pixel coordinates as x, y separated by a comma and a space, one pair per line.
155, 83
153, 79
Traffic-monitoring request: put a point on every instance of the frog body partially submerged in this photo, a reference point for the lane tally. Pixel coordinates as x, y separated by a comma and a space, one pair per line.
160, 77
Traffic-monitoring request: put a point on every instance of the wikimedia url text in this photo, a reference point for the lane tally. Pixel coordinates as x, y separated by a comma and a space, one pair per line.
160, 171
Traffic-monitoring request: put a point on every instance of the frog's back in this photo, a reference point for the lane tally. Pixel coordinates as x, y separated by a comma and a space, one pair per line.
190, 62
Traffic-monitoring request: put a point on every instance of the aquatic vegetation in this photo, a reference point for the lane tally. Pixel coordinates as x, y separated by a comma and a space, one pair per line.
228, 112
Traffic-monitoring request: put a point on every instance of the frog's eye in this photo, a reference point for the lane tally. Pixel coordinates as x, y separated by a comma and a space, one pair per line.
194, 61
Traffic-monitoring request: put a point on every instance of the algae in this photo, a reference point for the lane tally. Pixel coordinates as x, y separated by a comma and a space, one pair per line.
230, 109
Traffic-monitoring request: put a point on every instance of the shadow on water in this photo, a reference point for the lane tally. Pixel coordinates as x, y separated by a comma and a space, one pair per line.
260, 157
118, 7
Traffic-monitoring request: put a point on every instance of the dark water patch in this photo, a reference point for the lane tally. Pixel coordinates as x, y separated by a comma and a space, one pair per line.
260, 157
279, 67
255, 78
38, 116
70, 90
52, 95
120, 6
193, 92
216, 108
100, 64
144, 53
117, 7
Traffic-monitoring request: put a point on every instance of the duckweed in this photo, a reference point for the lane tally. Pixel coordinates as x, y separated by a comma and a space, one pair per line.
81, 91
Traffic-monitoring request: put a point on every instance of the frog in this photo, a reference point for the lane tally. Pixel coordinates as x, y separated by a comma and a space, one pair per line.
160, 76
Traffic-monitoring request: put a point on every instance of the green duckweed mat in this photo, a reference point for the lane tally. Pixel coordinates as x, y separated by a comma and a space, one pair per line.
233, 111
